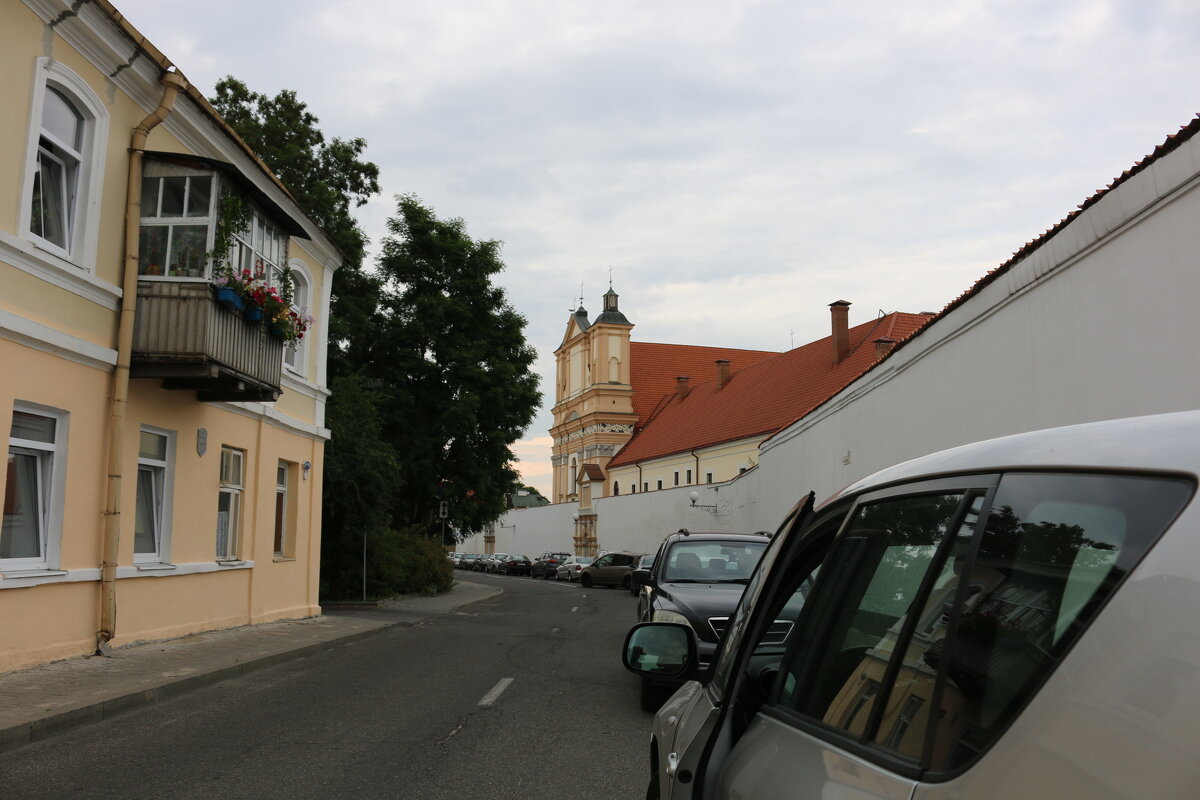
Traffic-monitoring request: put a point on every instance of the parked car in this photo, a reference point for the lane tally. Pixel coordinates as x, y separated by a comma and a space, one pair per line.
493, 562
546, 564
516, 565
641, 573
697, 580
610, 569
569, 569
467, 560
1013, 618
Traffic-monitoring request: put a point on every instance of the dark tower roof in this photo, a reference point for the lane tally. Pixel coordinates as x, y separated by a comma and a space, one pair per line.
611, 313
580, 317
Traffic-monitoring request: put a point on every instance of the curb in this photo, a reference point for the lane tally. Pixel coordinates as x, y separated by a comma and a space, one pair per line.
35, 730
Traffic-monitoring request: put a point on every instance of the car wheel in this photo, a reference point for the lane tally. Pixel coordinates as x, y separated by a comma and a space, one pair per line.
585, 581
652, 697
556, 576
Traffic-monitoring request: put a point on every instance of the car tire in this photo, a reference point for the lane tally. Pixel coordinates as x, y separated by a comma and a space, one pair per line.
585, 581
556, 576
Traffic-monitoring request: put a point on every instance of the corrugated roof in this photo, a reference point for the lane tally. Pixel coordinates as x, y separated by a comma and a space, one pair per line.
762, 397
654, 367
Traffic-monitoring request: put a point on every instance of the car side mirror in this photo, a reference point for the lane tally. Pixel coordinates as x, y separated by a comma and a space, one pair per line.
641, 577
663, 649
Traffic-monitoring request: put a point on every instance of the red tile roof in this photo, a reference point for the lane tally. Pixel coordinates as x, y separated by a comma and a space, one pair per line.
760, 398
654, 367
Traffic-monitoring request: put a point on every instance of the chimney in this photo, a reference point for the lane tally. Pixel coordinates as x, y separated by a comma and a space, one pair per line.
722, 372
681, 386
883, 346
839, 312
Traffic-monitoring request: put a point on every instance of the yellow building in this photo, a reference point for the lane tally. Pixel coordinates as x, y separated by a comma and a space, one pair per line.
164, 451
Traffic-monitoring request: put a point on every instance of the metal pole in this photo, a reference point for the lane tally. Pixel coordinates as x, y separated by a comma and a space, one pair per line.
364, 564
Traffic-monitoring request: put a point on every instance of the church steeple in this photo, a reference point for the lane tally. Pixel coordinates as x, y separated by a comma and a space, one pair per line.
612, 314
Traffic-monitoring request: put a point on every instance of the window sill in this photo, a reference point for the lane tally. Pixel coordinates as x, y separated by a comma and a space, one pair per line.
18, 574
280, 559
230, 562
155, 566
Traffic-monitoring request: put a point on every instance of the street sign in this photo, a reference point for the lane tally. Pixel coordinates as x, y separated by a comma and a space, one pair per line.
443, 509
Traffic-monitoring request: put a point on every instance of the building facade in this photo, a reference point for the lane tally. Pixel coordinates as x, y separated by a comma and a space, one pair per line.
164, 450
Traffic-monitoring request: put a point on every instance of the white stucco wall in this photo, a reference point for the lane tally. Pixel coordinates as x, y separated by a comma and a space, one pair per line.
1096, 324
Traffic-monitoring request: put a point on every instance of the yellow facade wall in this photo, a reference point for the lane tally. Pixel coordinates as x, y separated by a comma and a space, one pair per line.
59, 616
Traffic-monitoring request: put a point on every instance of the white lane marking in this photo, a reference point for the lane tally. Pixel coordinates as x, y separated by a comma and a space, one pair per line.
573, 610
491, 696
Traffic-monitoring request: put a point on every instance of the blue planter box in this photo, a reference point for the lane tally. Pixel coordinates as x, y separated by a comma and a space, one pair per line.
254, 314
228, 298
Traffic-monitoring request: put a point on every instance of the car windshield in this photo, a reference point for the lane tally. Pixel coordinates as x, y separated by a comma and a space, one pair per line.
500, 556
712, 561
559, 556
584, 560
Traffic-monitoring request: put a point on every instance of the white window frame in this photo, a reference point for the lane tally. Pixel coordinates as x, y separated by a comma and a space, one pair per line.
231, 486
52, 473
83, 236
164, 483
282, 487
294, 357
158, 171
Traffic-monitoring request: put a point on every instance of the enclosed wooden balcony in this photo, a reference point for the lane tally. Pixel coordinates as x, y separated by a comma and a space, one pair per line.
189, 341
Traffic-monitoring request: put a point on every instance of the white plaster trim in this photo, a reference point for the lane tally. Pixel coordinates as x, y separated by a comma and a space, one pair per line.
25, 255
23, 579
273, 417
53, 341
186, 568
298, 383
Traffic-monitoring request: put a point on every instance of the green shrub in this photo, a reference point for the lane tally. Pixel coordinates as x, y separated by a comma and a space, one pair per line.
406, 562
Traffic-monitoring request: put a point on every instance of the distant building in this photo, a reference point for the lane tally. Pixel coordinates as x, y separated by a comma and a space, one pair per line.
164, 451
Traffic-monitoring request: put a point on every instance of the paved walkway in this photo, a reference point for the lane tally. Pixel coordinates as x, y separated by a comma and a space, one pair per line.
42, 700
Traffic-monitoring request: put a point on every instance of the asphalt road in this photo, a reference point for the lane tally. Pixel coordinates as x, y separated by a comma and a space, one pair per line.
402, 714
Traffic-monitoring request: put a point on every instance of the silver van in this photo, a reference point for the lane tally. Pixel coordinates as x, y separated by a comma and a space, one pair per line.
1017, 618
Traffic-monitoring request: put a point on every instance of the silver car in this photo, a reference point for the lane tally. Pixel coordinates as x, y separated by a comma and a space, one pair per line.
569, 569
1017, 618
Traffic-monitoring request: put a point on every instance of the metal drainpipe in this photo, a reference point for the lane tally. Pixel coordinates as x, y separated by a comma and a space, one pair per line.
697, 467
172, 83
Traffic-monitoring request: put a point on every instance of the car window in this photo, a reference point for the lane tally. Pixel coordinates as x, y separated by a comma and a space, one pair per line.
850, 635
1053, 549
603, 561
707, 561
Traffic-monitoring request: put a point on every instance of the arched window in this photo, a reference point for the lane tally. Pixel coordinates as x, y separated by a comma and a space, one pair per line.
293, 354
65, 165
616, 488
574, 477
614, 370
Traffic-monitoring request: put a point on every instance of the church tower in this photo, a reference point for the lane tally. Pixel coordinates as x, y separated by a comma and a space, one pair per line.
593, 402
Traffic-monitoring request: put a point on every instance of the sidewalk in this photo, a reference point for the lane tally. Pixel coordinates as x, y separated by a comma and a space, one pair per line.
42, 700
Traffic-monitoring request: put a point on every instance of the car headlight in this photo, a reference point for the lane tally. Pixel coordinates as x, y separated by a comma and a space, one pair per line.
662, 615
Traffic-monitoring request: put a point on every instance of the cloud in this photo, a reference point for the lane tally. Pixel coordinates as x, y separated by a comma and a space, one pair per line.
738, 165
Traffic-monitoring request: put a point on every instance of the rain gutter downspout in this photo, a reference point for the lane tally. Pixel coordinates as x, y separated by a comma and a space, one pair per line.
697, 467
172, 83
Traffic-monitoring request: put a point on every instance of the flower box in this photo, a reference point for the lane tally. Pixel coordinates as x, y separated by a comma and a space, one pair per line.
228, 298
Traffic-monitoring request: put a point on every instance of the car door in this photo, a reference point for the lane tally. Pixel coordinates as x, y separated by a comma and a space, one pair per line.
685, 725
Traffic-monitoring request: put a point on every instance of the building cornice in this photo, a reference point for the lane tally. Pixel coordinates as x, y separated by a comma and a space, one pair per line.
50, 340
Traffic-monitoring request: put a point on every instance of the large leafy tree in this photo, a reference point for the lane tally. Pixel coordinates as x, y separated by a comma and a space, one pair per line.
329, 179
456, 367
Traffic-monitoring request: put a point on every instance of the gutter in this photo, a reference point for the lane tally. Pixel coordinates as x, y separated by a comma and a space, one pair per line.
173, 83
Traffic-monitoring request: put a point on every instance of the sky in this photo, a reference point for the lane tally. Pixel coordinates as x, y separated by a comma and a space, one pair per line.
737, 165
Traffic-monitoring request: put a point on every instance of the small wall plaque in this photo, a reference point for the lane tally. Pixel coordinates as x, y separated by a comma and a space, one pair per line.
201, 441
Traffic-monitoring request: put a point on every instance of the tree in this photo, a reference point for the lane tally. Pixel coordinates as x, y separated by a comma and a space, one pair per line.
329, 179
456, 369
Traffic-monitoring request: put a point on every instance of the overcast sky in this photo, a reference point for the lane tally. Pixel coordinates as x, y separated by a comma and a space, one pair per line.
738, 165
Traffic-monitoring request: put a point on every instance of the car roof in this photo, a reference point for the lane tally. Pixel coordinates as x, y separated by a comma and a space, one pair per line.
1160, 443
716, 536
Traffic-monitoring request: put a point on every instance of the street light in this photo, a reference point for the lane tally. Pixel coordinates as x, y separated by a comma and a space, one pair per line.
694, 496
